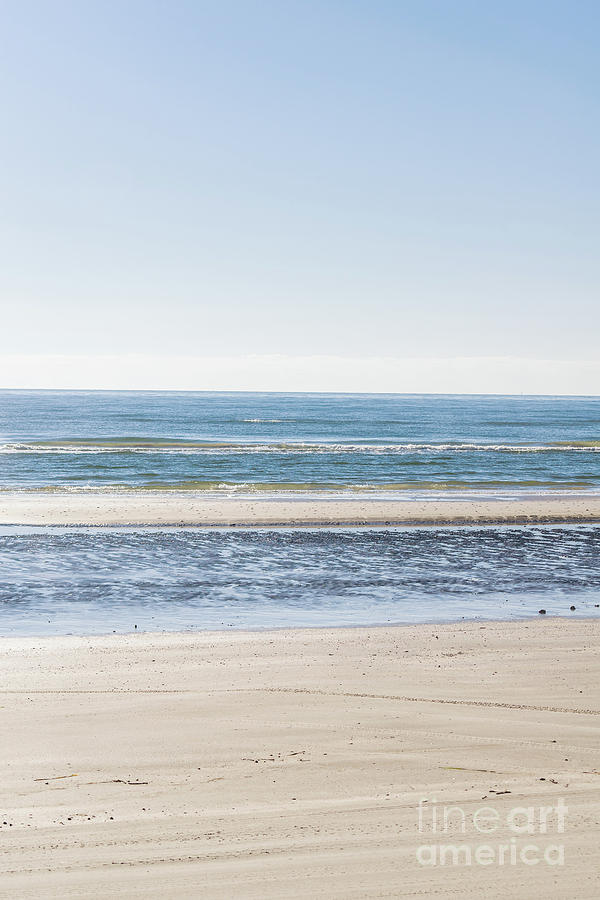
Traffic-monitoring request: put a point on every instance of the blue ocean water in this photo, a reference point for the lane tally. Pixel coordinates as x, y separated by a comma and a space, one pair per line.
250, 442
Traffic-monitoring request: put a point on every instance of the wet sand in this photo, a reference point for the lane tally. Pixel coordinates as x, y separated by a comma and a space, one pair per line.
189, 508
292, 763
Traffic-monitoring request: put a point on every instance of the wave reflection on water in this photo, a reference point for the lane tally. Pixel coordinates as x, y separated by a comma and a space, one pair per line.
57, 581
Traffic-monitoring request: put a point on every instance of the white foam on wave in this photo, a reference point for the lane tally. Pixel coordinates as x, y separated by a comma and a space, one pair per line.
292, 448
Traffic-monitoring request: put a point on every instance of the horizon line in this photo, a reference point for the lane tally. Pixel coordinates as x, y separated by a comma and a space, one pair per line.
99, 390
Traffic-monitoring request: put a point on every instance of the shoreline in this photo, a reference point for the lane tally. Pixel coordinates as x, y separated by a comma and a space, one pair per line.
293, 763
178, 509
65, 638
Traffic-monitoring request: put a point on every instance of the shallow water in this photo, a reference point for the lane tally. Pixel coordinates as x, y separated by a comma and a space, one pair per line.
57, 581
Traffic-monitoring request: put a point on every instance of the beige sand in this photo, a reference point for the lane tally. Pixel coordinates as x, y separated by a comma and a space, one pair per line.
189, 508
291, 763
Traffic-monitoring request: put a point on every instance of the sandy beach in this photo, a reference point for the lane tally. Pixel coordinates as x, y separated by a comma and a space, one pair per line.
190, 508
292, 763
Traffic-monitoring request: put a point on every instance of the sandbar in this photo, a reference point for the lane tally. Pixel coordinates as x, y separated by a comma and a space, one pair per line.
190, 508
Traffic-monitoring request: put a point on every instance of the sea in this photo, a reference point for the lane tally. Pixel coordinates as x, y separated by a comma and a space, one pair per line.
102, 580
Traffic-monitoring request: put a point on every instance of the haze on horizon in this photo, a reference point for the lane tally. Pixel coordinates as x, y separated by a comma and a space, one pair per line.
337, 195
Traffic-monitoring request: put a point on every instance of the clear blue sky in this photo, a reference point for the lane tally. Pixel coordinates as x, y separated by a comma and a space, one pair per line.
350, 178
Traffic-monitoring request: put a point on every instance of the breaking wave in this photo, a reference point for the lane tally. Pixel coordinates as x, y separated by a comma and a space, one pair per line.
195, 447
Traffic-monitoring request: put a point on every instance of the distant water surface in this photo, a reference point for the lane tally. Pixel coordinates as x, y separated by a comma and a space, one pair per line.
57, 581
303, 443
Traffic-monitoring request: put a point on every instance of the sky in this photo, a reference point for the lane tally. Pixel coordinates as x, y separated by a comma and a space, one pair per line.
300, 195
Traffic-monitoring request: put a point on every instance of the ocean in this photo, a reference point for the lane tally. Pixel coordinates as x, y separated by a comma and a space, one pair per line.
99, 580
300, 443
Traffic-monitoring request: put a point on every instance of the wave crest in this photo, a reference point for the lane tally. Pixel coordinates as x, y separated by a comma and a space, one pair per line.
195, 447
